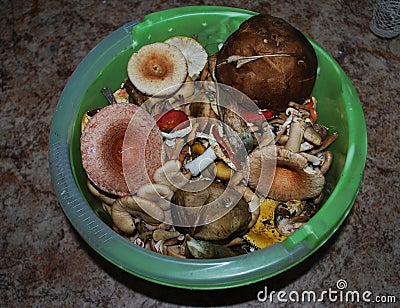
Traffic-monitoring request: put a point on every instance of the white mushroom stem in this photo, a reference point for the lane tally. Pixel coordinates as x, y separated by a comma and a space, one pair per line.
200, 163
315, 160
236, 178
306, 146
319, 198
293, 112
284, 126
296, 134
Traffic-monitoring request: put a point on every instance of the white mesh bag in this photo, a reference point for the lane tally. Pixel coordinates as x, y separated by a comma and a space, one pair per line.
385, 20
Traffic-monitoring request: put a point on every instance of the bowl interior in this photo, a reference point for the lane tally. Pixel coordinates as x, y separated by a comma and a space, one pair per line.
331, 108
338, 107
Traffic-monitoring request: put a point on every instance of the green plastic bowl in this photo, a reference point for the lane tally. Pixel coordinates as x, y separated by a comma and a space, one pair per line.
105, 66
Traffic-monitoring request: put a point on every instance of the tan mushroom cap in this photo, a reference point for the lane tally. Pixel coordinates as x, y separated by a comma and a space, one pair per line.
157, 67
293, 180
101, 149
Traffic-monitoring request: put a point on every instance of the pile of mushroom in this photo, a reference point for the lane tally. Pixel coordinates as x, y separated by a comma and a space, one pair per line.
202, 192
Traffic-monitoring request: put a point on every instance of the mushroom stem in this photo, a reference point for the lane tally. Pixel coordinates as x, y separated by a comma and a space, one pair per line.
312, 136
283, 139
319, 198
170, 175
137, 97
283, 128
160, 194
220, 145
200, 163
236, 178
122, 218
212, 64
325, 143
315, 160
148, 210
252, 198
267, 139
192, 135
94, 191
295, 136
204, 72
179, 143
235, 242
327, 163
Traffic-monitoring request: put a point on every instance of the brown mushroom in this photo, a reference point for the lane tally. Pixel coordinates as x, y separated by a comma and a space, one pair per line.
268, 60
101, 149
206, 250
171, 175
293, 179
157, 67
217, 212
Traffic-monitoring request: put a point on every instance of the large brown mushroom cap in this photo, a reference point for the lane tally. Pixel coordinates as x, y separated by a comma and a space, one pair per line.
157, 67
293, 180
101, 149
270, 80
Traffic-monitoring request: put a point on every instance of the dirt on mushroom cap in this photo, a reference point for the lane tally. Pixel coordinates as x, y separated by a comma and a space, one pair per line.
158, 67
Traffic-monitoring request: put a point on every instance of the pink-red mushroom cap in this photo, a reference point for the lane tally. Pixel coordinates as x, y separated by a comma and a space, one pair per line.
103, 149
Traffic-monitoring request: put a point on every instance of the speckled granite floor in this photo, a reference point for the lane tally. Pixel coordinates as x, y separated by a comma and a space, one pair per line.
44, 262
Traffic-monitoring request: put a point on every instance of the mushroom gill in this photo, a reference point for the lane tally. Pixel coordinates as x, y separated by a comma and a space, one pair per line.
293, 179
157, 67
102, 148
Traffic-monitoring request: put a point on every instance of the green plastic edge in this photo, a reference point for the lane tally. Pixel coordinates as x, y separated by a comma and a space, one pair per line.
295, 249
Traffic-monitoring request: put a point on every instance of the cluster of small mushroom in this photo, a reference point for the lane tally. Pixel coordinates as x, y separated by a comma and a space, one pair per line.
302, 158
201, 141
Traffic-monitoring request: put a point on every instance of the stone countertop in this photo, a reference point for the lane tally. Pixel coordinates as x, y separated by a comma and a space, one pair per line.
44, 262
